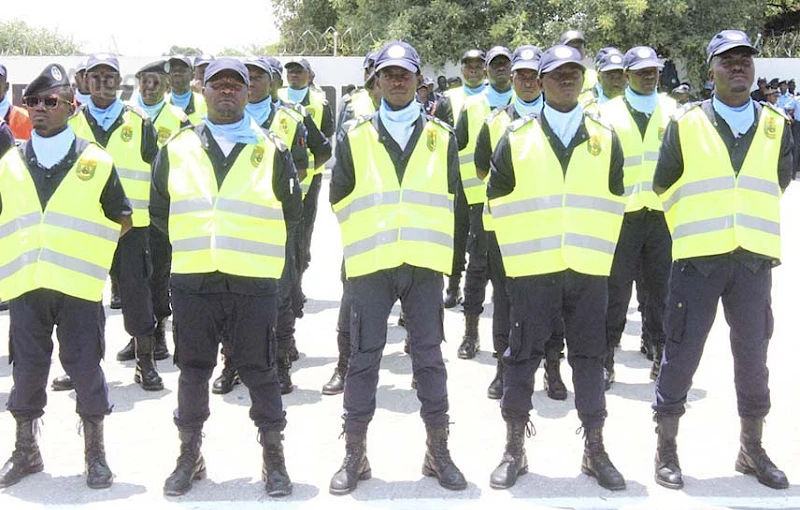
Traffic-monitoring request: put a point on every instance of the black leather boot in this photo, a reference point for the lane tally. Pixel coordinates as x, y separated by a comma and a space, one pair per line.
62, 383
293, 353
514, 463
146, 374
667, 467
227, 379
116, 300
355, 466
597, 464
336, 384
555, 387
128, 353
160, 351
453, 297
98, 474
655, 368
26, 458
190, 465
495, 390
273, 472
285, 375
438, 462
471, 343
753, 460
609, 375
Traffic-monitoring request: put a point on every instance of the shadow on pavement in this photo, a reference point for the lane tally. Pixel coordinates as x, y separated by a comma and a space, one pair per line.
125, 397
315, 306
303, 396
241, 489
376, 489
397, 363
534, 485
312, 362
546, 407
63, 490
730, 485
3, 401
401, 400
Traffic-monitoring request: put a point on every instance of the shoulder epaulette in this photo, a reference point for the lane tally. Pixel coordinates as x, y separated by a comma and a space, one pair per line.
776, 110
355, 122
522, 121
438, 122
594, 116
683, 110
298, 108
138, 111
292, 112
279, 144
176, 133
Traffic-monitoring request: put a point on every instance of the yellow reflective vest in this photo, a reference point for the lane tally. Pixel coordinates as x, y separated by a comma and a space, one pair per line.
710, 210
361, 103
125, 146
641, 154
477, 109
317, 100
385, 223
66, 247
457, 98
169, 121
551, 222
498, 121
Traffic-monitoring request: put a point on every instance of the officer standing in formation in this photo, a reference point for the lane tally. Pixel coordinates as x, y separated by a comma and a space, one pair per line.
361, 101
392, 189
223, 191
556, 198
723, 166
200, 63
62, 207
611, 81
181, 95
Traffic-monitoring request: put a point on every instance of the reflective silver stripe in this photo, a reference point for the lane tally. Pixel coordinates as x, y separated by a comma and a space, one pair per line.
248, 246
632, 161
27, 258
703, 227
529, 205
590, 243
651, 155
427, 236
646, 186
74, 264
81, 225
366, 202
630, 190
192, 244
755, 223
594, 203
430, 199
139, 204
698, 187
133, 175
466, 159
19, 223
189, 205
305, 187
760, 185
531, 246
370, 243
249, 209
472, 182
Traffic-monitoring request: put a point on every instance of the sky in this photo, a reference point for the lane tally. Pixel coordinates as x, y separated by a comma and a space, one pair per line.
155, 25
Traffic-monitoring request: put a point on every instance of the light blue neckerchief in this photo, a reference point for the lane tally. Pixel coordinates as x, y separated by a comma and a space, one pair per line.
243, 131
296, 95
564, 125
105, 117
739, 119
400, 123
496, 98
82, 98
260, 111
534, 106
181, 100
469, 91
642, 103
5, 105
52, 150
152, 111
601, 94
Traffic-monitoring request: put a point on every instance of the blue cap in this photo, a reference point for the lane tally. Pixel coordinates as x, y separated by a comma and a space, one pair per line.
158, 67
226, 64
182, 59
498, 51
81, 66
608, 59
473, 54
641, 57
299, 62
204, 59
102, 59
728, 40
369, 60
557, 56
571, 35
400, 54
52, 76
3, 71
526, 57
259, 62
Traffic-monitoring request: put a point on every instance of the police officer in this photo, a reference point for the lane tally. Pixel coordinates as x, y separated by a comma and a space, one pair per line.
81, 87
556, 198
62, 207
361, 101
181, 95
721, 171
575, 39
639, 118
611, 80
167, 119
225, 279
476, 108
128, 135
16, 117
200, 63
473, 69
392, 190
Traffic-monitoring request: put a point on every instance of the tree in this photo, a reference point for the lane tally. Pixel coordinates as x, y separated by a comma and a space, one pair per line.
18, 38
183, 50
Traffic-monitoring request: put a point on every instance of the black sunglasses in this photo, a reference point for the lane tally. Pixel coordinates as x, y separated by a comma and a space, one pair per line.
49, 102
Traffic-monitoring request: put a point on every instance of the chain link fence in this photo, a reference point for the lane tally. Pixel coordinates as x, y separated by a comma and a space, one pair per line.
330, 42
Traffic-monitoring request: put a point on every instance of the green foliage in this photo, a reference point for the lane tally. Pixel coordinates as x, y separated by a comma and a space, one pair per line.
18, 38
184, 50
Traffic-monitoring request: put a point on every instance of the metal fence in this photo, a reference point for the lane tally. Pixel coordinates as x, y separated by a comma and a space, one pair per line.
330, 42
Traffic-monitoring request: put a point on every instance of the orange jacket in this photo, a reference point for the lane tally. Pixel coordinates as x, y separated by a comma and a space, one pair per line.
19, 122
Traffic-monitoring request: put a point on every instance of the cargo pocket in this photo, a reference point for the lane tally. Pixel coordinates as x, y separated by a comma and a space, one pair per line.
272, 347
675, 321
441, 324
176, 343
520, 346
101, 330
147, 263
355, 332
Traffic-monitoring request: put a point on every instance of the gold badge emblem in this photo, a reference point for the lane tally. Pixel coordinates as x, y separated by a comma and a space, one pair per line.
127, 134
660, 133
283, 125
86, 168
163, 134
432, 139
770, 129
594, 145
257, 156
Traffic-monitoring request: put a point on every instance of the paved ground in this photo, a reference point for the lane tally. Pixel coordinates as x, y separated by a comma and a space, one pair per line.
142, 442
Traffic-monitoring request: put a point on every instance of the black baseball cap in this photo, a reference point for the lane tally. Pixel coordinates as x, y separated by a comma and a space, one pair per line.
526, 57
183, 59
226, 64
728, 40
609, 59
102, 59
400, 54
259, 62
641, 57
498, 51
559, 55
158, 67
299, 62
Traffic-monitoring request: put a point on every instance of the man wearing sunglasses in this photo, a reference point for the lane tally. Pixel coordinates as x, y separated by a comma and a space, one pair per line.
128, 135
16, 117
61, 207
